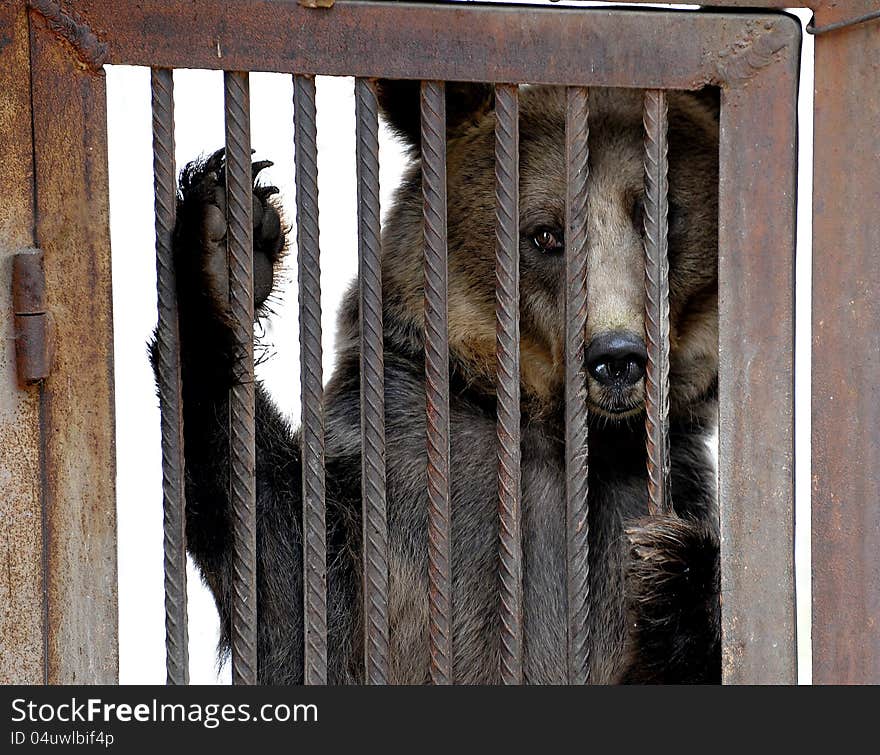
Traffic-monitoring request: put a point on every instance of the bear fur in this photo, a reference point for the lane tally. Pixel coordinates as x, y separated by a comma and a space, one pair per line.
654, 584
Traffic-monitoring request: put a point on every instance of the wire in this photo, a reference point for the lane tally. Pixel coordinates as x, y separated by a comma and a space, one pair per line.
817, 30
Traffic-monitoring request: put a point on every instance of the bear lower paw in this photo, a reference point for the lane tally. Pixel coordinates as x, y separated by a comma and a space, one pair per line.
200, 237
673, 602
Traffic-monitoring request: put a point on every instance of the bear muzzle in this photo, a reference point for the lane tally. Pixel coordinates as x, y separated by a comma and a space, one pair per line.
616, 361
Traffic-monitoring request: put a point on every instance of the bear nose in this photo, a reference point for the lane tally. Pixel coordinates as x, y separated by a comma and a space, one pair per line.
617, 358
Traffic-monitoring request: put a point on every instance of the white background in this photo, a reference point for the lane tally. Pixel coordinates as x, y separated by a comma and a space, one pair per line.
199, 129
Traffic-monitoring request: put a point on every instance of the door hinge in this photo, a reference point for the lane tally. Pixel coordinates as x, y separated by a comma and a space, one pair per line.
33, 338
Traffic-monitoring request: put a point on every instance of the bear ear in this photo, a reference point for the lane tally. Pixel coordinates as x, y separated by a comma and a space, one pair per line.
399, 101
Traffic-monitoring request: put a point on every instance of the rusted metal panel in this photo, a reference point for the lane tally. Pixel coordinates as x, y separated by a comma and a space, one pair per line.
169, 380
758, 180
242, 412
458, 42
846, 357
21, 581
372, 379
577, 156
657, 300
433, 124
312, 381
70, 147
507, 382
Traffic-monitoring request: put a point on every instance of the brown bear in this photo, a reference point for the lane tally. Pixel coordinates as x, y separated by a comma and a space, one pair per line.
654, 582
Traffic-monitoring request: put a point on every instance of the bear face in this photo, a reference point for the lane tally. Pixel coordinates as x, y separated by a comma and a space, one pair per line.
616, 284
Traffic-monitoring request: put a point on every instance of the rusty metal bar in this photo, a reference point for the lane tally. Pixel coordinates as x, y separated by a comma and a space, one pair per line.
308, 261
657, 300
576, 413
375, 518
508, 389
168, 373
242, 453
77, 490
846, 359
433, 124
756, 245
557, 46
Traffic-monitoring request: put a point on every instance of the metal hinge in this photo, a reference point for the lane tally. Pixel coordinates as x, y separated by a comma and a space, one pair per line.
33, 341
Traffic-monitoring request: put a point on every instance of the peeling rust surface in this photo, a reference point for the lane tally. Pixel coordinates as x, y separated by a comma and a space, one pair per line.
21, 605
91, 51
761, 44
72, 229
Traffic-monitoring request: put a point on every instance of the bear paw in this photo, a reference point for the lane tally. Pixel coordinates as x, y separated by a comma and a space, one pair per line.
200, 235
673, 602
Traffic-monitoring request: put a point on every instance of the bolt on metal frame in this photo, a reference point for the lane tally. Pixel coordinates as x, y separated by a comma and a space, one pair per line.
752, 58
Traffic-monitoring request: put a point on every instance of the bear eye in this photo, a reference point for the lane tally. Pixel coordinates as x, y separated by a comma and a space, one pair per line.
547, 240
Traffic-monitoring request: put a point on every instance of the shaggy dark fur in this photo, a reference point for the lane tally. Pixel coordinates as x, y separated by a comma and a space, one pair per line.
653, 582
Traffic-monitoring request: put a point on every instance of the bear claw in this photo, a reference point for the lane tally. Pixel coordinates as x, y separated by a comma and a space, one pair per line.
202, 227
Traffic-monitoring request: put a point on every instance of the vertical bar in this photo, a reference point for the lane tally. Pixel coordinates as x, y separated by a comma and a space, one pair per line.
756, 243
576, 483
846, 360
308, 260
433, 123
78, 459
375, 520
657, 300
242, 454
168, 363
508, 388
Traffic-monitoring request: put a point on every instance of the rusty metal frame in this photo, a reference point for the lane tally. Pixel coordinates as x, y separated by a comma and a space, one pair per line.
60, 49
58, 506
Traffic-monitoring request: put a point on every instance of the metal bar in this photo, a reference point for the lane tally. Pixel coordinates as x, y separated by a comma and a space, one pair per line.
308, 260
657, 301
242, 453
576, 414
375, 519
844, 24
756, 243
168, 369
433, 121
557, 46
508, 389
846, 360
77, 455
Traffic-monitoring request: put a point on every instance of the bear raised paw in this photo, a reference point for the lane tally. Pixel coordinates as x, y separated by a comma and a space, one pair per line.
654, 593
